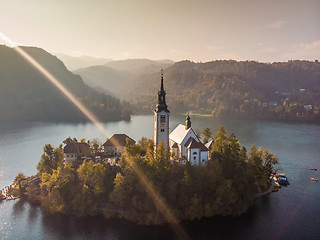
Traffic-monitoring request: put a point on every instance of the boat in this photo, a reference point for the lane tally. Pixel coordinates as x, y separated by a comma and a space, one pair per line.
282, 179
313, 169
314, 179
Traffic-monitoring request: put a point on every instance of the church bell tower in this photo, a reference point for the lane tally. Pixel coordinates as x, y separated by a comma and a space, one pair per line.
161, 118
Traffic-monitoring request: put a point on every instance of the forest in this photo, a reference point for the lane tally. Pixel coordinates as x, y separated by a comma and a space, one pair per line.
147, 186
26, 95
248, 89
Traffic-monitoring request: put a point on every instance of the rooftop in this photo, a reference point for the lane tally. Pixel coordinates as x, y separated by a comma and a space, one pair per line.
192, 144
119, 140
75, 147
179, 133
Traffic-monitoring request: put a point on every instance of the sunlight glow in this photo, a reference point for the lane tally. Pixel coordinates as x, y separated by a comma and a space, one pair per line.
57, 84
7, 40
160, 202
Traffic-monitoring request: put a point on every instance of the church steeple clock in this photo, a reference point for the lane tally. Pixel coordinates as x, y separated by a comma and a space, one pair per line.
161, 118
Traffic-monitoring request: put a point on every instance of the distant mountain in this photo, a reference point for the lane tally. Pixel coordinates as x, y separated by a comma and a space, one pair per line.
140, 66
73, 63
105, 78
26, 95
289, 90
115, 76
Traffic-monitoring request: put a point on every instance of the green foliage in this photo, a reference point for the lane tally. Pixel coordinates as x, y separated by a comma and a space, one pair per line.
78, 192
135, 190
70, 140
207, 134
51, 159
262, 163
19, 182
238, 89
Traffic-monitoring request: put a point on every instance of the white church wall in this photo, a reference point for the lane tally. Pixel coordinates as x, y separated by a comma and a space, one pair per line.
194, 155
189, 134
161, 129
204, 156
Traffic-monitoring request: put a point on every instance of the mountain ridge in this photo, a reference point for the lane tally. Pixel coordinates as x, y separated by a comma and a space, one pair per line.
26, 95
230, 88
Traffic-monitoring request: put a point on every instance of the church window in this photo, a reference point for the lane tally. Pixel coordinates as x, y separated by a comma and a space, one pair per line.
194, 158
162, 119
162, 130
194, 153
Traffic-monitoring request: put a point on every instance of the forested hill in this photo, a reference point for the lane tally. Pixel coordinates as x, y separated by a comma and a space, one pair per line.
288, 90
26, 95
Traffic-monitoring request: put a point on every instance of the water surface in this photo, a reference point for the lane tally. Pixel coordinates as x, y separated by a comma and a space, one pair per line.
291, 213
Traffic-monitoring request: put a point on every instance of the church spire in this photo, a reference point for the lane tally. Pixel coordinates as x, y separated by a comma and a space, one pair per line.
161, 118
161, 89
188, 122
162, 106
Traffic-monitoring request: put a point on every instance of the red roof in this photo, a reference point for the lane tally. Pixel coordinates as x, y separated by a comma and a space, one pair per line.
119, 140
192, 143
75, 147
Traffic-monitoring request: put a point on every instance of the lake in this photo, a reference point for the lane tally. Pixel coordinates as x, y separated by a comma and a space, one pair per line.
291, 213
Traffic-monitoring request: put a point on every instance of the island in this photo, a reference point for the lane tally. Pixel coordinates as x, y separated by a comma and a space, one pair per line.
172, 178
226, 185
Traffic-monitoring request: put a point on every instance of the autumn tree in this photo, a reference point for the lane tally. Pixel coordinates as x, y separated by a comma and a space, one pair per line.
18, 181
51, 159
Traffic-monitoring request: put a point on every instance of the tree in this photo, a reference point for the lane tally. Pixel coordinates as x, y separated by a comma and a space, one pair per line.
162, 156
219, 145
207, 134
143, 143
58, 189
95, 147
263, 164
18, 180
51, 159
135, 189
69, 140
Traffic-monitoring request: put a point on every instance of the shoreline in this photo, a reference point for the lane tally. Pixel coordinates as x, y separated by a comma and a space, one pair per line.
6, 193
268, 119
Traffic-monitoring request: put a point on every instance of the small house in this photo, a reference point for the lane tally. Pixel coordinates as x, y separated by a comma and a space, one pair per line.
117, 144
76, 151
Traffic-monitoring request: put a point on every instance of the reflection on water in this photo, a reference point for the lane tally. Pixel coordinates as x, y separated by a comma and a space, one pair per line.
291, 213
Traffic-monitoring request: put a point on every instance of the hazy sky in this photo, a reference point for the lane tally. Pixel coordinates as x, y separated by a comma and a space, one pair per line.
202, 30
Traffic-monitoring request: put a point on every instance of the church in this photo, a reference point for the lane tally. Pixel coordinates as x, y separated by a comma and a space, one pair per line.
182, 141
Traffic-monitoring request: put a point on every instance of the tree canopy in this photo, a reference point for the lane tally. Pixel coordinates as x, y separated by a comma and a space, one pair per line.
148, 184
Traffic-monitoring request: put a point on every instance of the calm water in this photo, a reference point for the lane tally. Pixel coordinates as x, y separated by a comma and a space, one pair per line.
291, 213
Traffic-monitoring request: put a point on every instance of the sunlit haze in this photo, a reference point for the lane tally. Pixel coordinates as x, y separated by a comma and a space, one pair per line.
202, 30
160, 202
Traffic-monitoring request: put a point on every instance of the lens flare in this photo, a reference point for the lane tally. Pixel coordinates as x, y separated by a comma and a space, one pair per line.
56, 83
150, 189
160, 202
